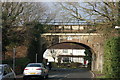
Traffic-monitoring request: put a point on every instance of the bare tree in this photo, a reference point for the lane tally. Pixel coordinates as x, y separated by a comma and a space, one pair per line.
15, 16
105, 14
54, 53
98, 10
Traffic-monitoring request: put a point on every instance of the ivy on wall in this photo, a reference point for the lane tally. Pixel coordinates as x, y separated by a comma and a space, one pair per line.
112, 58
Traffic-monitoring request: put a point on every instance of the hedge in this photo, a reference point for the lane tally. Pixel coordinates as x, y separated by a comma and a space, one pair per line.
112, 58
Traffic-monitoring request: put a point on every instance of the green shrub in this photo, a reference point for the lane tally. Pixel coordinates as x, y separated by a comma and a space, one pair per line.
20, 64
8, 61
54, 64
112, 58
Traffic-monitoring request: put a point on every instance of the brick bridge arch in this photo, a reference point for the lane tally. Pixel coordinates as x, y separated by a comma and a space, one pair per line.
83, 46
92, 40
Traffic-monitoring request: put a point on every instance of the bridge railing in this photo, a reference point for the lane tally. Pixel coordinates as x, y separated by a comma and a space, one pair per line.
73, 25
70, 21
71, 29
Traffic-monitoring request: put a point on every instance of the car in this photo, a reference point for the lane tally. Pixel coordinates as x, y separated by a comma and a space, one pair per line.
6, 72
35, 70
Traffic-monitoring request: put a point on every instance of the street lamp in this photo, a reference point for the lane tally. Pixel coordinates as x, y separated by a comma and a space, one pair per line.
117, 27
14, 53
36, 57
118, 30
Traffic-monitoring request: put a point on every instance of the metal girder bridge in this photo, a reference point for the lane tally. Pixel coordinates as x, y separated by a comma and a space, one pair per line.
70, 21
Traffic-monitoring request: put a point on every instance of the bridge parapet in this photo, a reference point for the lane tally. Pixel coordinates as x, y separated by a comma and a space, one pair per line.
70, 21
71, 25
72, 29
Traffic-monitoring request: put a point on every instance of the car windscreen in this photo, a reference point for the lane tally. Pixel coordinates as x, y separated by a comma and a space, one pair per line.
1, 69
33, 65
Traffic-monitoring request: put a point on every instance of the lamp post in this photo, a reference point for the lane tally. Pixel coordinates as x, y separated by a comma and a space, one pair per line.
118, 30
117, 27
36, 57
14, 53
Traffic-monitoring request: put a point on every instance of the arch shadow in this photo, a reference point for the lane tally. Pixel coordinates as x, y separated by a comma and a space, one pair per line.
85, 46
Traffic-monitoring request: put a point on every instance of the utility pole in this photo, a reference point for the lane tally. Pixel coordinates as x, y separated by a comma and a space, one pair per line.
36, 57
14, 53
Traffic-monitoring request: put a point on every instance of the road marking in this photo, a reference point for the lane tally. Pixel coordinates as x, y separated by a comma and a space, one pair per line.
53, 75
67, 75
64, 77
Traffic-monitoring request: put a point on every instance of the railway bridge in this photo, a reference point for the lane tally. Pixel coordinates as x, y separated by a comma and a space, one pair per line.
83, 34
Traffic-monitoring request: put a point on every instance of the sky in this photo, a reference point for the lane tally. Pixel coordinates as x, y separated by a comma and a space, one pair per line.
60, 12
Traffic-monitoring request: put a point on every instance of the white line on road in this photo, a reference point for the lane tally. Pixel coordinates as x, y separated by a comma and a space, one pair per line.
65, 76
53, 76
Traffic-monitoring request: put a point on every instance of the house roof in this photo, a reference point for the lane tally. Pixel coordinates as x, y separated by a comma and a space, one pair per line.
67, 46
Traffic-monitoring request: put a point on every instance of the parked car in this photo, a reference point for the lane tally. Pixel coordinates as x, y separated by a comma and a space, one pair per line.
6, 72
35, 70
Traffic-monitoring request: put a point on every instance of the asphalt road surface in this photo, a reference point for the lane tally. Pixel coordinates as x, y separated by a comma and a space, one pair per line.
68, 74
73, 74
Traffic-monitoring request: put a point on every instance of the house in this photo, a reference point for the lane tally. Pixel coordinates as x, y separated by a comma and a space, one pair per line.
65, 52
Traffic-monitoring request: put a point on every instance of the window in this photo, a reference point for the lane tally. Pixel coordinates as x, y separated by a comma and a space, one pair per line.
5, 70
52, 51
1, 70
66, 59
65, 51
9, 69
33, 65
